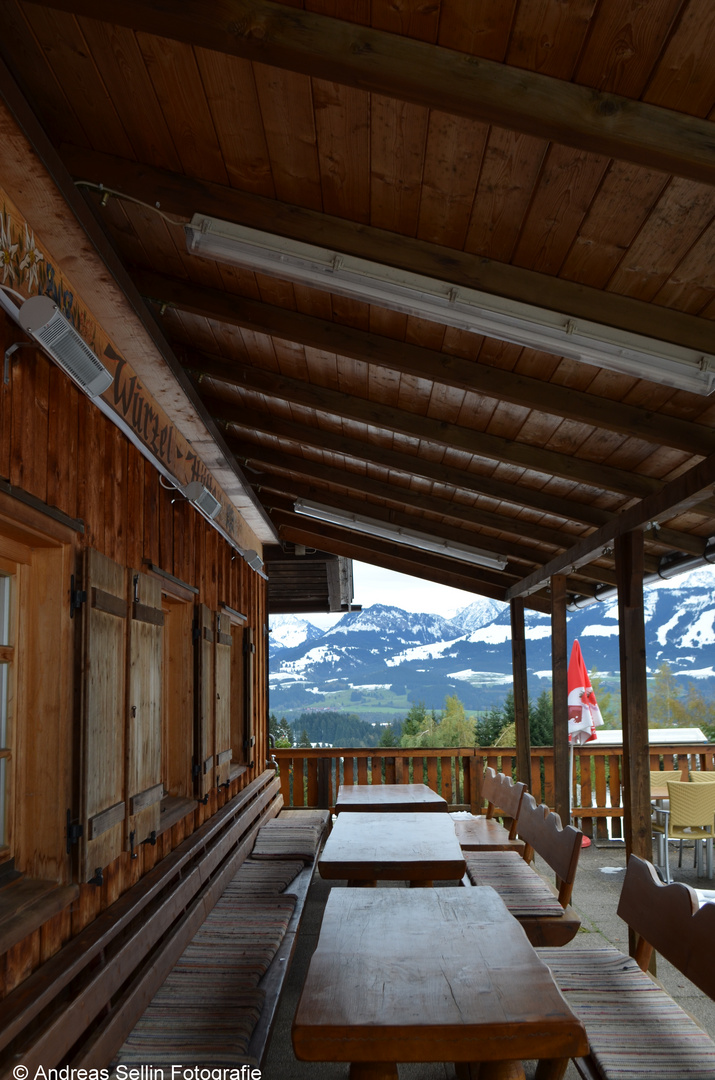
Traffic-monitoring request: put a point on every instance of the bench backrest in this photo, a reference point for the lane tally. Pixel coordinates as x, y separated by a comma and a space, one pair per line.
667, 919
559, 847
504, 795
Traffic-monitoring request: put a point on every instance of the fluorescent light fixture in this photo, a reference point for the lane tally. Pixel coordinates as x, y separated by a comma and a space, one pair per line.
467, 309
202, 498
252, 557
42, 319
408, 537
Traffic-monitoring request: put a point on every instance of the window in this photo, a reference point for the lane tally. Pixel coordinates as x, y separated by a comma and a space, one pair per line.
7, 699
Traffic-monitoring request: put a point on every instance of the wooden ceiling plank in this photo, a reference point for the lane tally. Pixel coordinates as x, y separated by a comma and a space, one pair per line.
178, 86
594, 474
566, 188
685, 76
117, 54
676, 223
549, 37
617, 213
455, 146
342, 123
286, 106
451, 370
673, 498
479, 27
183, 196
61, 40
510, 97
398, 140
228, 80
21, 52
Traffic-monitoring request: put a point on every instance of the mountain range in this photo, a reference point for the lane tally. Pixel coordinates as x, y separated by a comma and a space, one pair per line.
378, 661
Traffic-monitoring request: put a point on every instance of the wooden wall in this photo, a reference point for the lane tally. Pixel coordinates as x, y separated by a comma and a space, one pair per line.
57, 446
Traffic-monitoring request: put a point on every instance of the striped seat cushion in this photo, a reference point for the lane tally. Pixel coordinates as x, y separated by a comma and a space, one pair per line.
207, 1009
262, 877
524, 892
635, 1029
287, 840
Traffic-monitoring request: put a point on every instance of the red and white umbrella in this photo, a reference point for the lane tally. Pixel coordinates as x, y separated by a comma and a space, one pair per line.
584, 713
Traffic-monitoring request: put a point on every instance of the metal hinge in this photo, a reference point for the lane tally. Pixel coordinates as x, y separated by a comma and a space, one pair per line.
77, 598
74, 832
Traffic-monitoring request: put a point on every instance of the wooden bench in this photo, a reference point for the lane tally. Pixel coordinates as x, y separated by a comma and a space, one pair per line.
486, 833
218, 1004
545, 914
634, 1027
79, 1006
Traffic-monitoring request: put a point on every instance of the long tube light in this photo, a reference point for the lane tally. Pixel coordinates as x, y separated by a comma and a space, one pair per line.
408, 537
466, 309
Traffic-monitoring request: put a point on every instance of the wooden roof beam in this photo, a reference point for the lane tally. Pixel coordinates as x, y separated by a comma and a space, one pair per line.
425, 363
426, 74
674, 497
409, 464
183, 196
552, 463
383, 553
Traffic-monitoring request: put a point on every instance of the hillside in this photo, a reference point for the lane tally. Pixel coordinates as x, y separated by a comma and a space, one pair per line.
376, 662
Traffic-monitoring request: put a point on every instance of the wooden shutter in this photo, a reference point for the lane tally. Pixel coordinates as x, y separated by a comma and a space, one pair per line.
222, 659
144, 786
204, 700
102, 804
249, 652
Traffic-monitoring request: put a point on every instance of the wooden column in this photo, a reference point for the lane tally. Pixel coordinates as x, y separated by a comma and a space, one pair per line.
559, 667
634, 695
521, 692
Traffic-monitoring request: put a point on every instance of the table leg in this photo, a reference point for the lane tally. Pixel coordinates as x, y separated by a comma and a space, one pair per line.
360, 884
373, 1070
421, 884
551, 1069
489, 1070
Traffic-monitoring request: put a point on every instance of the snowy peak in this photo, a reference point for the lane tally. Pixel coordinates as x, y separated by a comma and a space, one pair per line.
394, 624
481, 612
289, 631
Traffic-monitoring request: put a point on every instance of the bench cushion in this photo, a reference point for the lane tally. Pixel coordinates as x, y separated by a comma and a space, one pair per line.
287, 839
635, 1029
262, 877
524, 892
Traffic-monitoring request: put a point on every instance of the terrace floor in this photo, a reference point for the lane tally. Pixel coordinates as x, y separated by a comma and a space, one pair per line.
595, 897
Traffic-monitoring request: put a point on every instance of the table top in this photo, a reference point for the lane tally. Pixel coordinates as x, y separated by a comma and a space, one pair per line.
395, 797
392, 847
429, 975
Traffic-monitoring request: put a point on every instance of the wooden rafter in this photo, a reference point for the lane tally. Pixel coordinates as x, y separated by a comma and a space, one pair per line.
425, 74
426, 363
525, 455
677, 495
383, 553
183, 196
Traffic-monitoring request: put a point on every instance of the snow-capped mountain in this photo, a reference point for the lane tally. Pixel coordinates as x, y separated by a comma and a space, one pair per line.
395, 657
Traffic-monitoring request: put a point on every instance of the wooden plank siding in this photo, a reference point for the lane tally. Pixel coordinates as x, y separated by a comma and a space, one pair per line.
56, 446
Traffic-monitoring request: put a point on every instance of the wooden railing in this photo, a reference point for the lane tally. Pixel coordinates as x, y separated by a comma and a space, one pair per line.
311, 777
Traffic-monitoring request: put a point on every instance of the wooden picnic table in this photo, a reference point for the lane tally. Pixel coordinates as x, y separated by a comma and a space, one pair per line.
370, 847
360, 798
431, 975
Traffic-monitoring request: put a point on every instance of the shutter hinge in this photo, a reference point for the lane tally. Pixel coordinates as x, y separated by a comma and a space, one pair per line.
98, 879
77, 598
74, 832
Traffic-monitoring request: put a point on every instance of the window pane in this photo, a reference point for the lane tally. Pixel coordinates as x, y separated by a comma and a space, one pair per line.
4, 673
3, 814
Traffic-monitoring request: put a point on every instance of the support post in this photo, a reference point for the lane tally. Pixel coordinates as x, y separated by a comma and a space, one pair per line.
521, 692
634, 695
559, 667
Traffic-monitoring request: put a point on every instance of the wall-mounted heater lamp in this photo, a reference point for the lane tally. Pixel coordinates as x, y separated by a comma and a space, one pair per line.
408, 537
253, 559
42, 319
202, 498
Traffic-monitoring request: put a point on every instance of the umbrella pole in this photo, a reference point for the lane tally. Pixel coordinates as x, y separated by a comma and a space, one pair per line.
570, 821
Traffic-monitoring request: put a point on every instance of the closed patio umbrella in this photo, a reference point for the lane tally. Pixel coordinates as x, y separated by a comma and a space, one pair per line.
584, 713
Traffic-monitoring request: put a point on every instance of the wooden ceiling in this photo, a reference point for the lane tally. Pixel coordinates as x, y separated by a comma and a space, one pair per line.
555, 153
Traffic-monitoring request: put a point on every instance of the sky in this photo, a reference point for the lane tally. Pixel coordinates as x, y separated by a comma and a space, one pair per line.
373, 585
